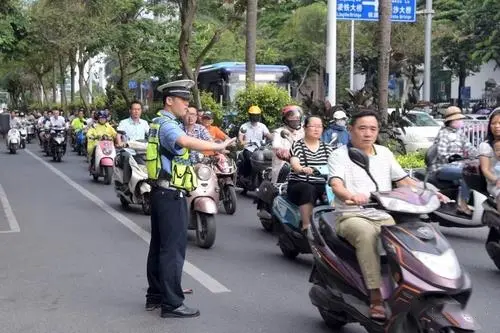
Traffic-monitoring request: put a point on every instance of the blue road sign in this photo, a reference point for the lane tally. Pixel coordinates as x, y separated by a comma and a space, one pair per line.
367, 10
132, 84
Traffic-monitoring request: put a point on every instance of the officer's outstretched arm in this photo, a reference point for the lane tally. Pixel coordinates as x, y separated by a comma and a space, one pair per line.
186, 141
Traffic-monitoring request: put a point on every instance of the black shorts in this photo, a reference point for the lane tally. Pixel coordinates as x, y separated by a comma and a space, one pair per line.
301, 193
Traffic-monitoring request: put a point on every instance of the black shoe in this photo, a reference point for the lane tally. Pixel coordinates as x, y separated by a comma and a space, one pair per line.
152, 305
181, 312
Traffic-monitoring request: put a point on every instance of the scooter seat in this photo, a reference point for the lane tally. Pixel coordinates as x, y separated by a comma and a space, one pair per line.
441, 184
338, 244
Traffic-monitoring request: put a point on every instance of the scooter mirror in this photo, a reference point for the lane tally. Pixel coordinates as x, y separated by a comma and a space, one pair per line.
359, 158
285, 134
335, 136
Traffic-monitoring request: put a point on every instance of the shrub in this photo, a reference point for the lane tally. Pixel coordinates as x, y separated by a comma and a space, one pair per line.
412, 160
270, 98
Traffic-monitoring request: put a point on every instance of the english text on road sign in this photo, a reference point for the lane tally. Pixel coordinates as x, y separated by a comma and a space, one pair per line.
367, 10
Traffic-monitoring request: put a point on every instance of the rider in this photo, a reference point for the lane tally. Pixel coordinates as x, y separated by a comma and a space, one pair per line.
451, 142
135, 129
352, 185
194, 130
96, 131
255, 131
291, 115
215, 132
79, 122
339, 127
56, 120
14, 120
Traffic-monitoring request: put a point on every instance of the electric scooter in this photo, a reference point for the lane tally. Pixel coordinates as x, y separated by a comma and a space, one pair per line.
423, 286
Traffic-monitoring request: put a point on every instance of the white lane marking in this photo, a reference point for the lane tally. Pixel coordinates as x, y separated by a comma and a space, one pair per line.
11, 218
203, 278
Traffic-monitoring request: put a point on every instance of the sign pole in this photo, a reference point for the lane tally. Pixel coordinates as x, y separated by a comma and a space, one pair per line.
331, 52
351, 74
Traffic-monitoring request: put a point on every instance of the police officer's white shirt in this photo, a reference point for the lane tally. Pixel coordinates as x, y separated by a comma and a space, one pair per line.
383, 167
135, 130
58, 122
254, 133
282, 143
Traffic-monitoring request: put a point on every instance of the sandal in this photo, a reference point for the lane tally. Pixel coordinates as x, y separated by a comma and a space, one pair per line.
377, 312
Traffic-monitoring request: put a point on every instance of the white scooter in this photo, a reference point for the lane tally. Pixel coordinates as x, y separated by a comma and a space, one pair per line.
13, 140
447, 215
104, 157
24, 136
136, 191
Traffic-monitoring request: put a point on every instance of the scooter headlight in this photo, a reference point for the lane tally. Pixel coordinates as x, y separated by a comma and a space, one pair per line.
107, 151
204, 173
445, 265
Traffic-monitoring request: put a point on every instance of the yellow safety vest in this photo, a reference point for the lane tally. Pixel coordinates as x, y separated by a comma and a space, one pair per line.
182, 174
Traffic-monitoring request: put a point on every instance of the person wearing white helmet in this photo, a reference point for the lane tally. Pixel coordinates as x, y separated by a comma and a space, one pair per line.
339, 127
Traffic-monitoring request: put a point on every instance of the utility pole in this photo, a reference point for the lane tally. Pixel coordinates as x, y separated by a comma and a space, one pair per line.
428, 49
384, 56
250, 54
331, 53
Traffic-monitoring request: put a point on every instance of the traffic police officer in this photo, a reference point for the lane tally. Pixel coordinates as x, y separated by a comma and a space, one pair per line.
169, 213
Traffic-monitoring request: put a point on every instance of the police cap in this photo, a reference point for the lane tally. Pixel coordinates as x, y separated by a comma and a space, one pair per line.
180, 88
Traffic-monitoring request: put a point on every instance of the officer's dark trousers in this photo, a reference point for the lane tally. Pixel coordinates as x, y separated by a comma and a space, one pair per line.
167, 248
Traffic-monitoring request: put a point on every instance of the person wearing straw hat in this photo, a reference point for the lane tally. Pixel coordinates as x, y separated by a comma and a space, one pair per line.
453, 145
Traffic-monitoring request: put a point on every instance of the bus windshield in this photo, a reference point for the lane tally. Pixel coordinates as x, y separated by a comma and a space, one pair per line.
224, 80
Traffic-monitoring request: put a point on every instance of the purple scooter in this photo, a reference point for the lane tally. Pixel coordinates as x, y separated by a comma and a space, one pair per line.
424, 288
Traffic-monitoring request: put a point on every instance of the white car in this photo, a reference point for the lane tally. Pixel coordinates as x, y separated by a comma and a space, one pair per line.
420, 132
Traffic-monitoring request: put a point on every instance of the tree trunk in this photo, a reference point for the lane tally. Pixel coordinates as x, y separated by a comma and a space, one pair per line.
251, 47
462, 76
62, 70
54, 84
384, 40
122, 82
72, 65
81, 80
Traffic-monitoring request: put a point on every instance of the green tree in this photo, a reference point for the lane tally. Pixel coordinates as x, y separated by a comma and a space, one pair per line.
455, 39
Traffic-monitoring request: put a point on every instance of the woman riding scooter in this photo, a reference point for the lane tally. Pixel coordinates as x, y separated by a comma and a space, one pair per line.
453, 144
97, 130
304, 187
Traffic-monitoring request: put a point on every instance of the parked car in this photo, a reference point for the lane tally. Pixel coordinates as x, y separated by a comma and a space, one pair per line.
420, 132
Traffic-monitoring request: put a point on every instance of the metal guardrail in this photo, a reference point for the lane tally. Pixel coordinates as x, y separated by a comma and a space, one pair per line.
476, 131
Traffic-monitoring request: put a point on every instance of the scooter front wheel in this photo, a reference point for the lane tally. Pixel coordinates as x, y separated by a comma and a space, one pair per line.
230, 199
146, 204
331, 320
124, 202
205, 230
108, 174
287, 251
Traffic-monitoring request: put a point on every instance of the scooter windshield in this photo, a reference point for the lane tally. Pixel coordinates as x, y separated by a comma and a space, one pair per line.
408, 200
